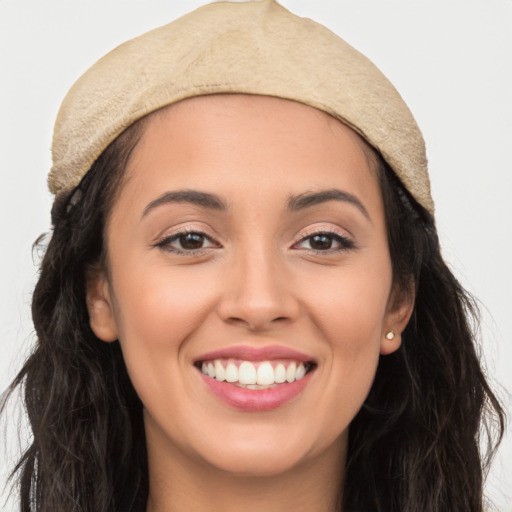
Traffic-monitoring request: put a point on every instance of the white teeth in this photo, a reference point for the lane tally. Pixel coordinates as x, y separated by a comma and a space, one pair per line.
256, 386
280, 374
220, 373
290, 372
301, 371
254, 376
246, 373
231, 373
265, 374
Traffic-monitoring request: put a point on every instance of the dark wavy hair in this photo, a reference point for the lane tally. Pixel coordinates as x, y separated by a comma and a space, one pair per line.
421, 442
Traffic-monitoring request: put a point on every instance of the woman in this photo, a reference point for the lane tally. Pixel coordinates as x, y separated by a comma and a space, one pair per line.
243, 304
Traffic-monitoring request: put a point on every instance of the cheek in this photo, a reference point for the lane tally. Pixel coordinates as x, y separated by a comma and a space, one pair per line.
349, 305
156, 311
158, 307
349, 311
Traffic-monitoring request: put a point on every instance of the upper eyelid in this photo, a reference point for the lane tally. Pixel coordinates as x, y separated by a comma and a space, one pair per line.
323, 230
188, 228
177, 234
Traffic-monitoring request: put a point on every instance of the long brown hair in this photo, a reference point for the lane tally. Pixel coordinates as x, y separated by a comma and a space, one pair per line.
413, 447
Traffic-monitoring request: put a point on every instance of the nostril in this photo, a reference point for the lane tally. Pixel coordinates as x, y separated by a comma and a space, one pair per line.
257, 301
256, 323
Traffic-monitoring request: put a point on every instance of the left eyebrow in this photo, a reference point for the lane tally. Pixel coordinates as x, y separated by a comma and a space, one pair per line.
308, 199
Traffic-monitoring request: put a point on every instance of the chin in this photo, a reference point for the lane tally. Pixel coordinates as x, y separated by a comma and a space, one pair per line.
256, 462
267, 450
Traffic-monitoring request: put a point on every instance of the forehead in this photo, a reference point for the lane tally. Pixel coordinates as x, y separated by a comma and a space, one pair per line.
226, 143
248, 109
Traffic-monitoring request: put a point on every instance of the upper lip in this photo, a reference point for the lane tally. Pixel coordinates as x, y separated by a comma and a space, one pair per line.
249, 353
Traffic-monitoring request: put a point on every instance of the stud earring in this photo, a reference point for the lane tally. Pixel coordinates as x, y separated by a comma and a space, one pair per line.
390, 335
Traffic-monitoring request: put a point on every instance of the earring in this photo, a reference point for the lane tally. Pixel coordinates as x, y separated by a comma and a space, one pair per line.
390, 335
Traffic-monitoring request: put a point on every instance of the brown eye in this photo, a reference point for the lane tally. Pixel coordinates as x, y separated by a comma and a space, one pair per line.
320, 242
191, 241
326, 242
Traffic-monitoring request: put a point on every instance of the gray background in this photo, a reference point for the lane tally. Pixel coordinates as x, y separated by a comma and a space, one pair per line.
450, 59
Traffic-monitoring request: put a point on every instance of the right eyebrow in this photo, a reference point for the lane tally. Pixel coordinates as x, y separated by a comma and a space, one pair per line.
195, 197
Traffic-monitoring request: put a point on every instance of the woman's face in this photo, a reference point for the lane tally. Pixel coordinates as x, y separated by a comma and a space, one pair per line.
248, 244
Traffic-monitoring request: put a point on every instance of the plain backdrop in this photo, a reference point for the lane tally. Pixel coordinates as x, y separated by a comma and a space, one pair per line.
450, 59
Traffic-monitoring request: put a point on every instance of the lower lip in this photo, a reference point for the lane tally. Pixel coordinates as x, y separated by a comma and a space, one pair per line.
256, 399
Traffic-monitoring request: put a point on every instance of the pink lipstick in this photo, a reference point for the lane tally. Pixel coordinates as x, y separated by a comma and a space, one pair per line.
255, 379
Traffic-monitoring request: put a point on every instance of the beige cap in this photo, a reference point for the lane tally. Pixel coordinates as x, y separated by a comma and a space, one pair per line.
244, 47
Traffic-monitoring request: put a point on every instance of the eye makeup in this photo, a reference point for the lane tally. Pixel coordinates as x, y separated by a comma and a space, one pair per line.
189, 241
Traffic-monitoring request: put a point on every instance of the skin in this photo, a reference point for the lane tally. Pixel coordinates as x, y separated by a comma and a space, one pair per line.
256, 281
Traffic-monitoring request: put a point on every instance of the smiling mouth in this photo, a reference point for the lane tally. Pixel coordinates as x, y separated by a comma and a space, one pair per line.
255, 375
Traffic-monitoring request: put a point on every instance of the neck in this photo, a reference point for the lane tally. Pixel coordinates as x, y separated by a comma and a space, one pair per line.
180, 482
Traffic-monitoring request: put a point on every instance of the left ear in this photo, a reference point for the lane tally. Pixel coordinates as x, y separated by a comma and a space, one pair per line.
399, 310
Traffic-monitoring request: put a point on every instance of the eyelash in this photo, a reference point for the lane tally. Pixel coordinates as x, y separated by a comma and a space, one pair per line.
345, 243
165, 244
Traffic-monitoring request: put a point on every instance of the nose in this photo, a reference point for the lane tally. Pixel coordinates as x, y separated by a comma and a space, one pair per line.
257, 293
